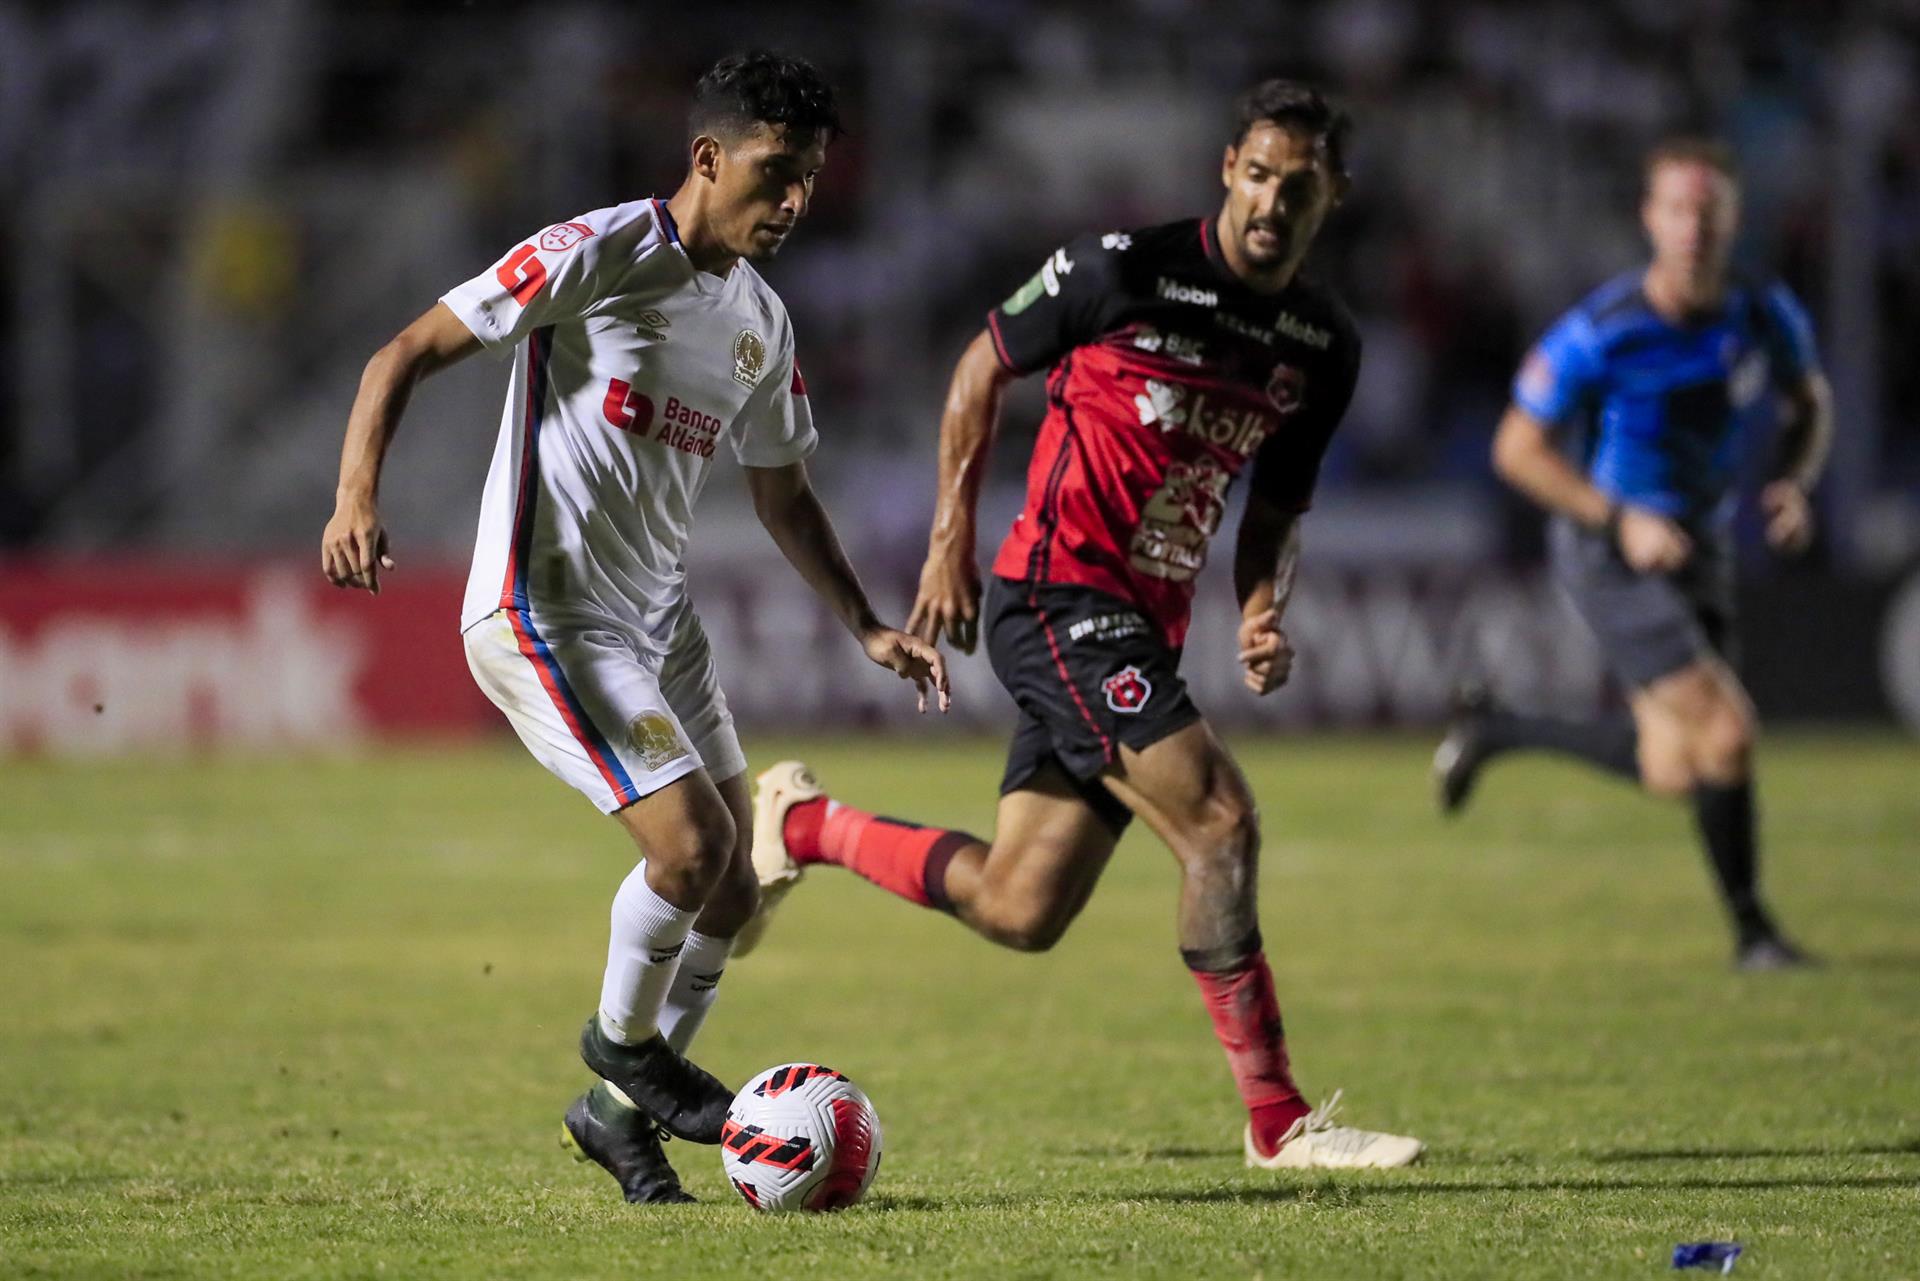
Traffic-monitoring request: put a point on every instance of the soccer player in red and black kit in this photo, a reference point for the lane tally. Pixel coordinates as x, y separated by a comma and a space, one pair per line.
1178, 357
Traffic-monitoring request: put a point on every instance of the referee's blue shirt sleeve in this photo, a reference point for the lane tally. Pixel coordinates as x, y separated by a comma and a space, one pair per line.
1561, 372
1794, 354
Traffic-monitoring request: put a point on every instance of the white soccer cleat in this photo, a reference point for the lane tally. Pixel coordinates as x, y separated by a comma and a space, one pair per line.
1316, 1143
776, 791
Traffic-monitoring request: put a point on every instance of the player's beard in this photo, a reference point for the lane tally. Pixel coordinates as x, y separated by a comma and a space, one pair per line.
1264, 257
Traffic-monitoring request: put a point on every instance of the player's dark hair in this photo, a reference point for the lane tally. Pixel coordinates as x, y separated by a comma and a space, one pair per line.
1690, 149
761, 87
1296, 106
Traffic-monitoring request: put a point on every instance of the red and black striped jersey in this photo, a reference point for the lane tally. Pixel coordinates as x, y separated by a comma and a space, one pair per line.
1169, 376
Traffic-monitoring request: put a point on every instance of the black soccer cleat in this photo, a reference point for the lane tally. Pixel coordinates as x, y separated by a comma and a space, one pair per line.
1457, 761
623, 1142
687, 1101
1770, 952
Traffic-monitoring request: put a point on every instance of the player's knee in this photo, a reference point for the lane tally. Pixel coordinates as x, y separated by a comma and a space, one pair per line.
1023, 927
1666, 775
1036, 935
700, 850
1723, 742
733, 902
1226, 835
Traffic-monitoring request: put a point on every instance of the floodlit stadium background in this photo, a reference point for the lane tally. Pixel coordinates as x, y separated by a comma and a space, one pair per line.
214, 213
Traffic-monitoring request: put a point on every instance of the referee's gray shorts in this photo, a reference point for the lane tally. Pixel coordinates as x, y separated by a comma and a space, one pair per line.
1648, 625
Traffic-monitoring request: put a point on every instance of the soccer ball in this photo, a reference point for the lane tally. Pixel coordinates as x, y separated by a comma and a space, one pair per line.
800, 1137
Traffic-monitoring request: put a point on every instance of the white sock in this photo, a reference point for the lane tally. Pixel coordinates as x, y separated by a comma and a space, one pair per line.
643, 952
695, 985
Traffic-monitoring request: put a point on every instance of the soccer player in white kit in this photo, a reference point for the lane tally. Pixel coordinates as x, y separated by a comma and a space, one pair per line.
643, 342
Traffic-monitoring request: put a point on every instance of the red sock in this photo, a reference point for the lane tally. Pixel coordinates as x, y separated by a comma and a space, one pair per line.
898, 857
1246, 1018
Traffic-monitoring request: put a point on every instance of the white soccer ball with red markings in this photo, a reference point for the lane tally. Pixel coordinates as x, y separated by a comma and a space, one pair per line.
800, 1137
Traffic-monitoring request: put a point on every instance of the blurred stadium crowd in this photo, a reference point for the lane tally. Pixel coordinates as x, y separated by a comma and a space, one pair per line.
217, 209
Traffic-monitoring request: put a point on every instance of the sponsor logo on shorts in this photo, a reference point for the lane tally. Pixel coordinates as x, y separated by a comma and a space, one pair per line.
1108, 627
1127, 690
655, 739
564, 235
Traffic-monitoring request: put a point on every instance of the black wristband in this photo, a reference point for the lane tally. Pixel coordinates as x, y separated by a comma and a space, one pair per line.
1611, 526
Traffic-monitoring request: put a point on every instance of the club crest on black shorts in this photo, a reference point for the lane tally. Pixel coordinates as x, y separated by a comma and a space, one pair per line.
1127, 690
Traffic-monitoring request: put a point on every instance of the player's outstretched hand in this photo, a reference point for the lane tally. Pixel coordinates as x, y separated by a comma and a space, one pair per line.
913, 659
1789, 516
1265, 652
948, 602
353, 550
1650, 543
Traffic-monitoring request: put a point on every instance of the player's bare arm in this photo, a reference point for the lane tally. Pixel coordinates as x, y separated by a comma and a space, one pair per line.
353, 549
1526, 458
948, 602
1266, 557
1806, 436
784, 500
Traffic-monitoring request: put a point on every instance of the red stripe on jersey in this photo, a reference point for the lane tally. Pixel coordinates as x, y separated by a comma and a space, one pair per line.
798, 386
512, 590
1000, 344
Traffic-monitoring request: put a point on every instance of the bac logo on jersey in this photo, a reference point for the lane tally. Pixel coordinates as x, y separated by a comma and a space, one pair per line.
564, 235
1127, 690
749, 357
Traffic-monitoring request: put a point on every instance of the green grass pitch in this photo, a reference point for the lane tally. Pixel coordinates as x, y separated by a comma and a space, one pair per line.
316, 1019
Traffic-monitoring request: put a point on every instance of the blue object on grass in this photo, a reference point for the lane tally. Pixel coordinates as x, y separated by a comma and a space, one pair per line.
1706, 1254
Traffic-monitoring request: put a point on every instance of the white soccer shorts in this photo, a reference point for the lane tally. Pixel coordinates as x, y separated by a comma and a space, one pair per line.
607, 717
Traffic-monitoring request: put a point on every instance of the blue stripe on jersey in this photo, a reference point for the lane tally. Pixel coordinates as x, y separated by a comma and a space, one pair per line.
1668, 410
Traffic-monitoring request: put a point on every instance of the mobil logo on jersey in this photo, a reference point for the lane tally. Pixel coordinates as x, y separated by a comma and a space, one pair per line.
672, 422
1228, 422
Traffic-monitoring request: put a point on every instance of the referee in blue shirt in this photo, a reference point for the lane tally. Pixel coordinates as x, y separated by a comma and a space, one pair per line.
1629, 422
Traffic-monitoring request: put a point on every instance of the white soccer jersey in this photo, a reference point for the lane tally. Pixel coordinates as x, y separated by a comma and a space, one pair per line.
630, 366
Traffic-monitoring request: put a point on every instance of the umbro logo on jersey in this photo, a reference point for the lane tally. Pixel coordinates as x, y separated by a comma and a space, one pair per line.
651, 324
1180, 291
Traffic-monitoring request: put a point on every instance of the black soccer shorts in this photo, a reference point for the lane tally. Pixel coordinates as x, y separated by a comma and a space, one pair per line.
1090, 674
1648, 625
